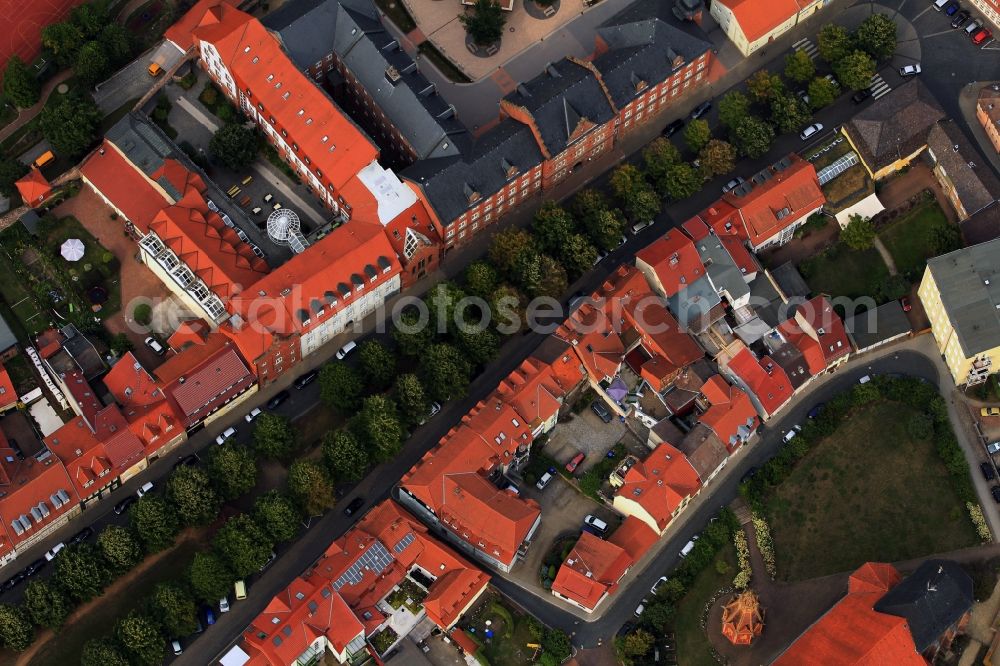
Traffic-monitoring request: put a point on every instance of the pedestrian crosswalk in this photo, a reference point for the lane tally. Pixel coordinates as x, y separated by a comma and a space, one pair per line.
879, 87
807, 46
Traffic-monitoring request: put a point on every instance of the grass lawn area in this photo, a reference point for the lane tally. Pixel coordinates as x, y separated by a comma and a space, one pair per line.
910, 238
508, 647
21, 303
857, 497
849, 187
841, 271
692, 643
92, 269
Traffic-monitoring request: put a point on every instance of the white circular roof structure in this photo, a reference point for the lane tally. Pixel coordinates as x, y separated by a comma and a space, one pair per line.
283, 225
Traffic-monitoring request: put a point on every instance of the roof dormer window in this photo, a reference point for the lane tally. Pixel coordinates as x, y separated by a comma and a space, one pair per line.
246, 50
302, 112
270, 77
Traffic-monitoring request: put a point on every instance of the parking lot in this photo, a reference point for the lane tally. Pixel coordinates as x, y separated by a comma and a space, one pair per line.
584, 433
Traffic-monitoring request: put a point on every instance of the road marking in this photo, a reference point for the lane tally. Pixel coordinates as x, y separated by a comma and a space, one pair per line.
899, 9
806, 45
879, 87
926, 9
935, 34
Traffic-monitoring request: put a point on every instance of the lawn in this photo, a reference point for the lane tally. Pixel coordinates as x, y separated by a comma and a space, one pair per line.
19, 300
859, 497
508, 646
692, 643
98, 267
911, 238
841, 271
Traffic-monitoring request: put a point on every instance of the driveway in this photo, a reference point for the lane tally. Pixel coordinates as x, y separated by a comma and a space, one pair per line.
133, 81
584, 433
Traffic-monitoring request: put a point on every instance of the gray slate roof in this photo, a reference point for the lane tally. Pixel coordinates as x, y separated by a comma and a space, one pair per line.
969, 282
559, 98
931, 600
975, 185
310, 29
790, 280
884, 323
983, 226
721, 268
482, 169
895, 125
643, 51
7, 337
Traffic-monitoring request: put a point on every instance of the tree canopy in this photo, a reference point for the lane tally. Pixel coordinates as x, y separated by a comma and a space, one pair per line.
855, 70
834, 42
344, 455
753, 136
82, 571
47, 602
244, 544
378, 364
859, 234
309, 487
445, 372
70, 124
19, 83
822, 92
235, 146
140, 638
877, 36
278, 516
697, 134
210, 577
232, 470
380, 427
340, 387
273, 436
16, 630
120, 547
717, 158
799, 67
733, 107
189, 489
175, 608
635, 193
155, 521
484, 22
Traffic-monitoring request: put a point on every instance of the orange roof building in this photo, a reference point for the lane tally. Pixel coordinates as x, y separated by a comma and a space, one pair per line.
742, 618
591, 572
670, 263
33, 188
766, 214
339, 602
731, 416
753, 24
150, 415
765, 381
819, 333
658, 488
8, 394
635, 537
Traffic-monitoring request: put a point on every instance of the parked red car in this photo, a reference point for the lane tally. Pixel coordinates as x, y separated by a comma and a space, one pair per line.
981, 36
905, 302
575, 462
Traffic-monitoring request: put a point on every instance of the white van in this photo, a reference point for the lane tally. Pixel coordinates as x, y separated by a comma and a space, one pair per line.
226, 434
544, 481
939, 4
639, 226
346, 349
688, 547
145, 488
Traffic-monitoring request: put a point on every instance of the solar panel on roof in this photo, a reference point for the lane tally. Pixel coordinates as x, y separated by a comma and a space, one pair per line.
407, 539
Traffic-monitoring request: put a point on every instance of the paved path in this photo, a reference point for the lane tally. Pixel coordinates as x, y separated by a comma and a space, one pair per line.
890, 263
203, 118
25, 115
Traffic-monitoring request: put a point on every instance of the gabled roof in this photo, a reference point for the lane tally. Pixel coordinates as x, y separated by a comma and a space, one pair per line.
661, 483
33, 187
675, 261
732, 416
143, 403
635, 537
703, 450
764, 378
591, 570
599, 347
818, 331
758, 18
8, 394
203, 13
201, 378
975, 184
113, 175
895, 125
91, 452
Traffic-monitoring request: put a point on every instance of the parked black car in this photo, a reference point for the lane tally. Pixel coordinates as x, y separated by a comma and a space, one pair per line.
674, 127
190, 459
601, 410
35, 567
988, 473
278, 398
353, 507
306, 379
816, 410
861, 95
700, 110
961, 18
996, 493
123, 506
82, 535
12, 582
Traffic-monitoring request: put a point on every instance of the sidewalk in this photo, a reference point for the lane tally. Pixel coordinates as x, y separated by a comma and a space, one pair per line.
25, 115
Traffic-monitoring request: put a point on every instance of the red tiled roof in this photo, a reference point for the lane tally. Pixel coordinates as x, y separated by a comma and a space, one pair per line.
591, 570
764, 378
661, 483
873, 577
144, 404
758, 18
696, 228
535, 391
635, 537
8, 394
822, 321
181, 32
83, 395
202, 387
127, 188
732, 416
675, 261
33, 187
740, 254
596, 343
463, 641
91, 455
190, 332
853, 633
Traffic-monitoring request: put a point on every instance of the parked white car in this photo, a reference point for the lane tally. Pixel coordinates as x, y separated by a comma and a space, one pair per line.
51, 555
910, 70
226, 434
811, 130
145, 489
254, 413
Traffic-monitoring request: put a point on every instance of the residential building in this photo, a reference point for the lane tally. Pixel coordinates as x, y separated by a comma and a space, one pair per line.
591, 572
891, 132
766, 382
990, 10
970, 187
753, 24
766, 210
657, 489
878, 326
634, 536
8, 341
988, 110
818, 332
150, 415
8, 393
33, 188
357, 589
886, 619
731, 416
960, 292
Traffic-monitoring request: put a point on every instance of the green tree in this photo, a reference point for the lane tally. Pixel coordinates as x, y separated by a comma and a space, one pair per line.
718, 157
635, 193
480, 279
799, 67
507, 305
232, 470
235, 146
82, 571
753, 137
551, 227
411, 336
174, 606
47, 603
310, 488
445, 372
210, 577
16, 630
682, 181
190, 490
480, 345
554, 281
859, 234
557, 644
658, 157
603, 225
697, 134
120, 548
141, 638
507, 248
101, 652
19, 83
340, 387
877, 36
855, 70
637, 643
442, 302
70, 124
763, 86
64, 40
733, 107
273, 436
378, 364
10, 172
834, 42
92, 65
120, 344
822, 92
118, 43
485, 22
244, 544
577, 255
91, 18
412, 400
789, 113
278, 516
944, 238
344, 455
155, 521
380, 427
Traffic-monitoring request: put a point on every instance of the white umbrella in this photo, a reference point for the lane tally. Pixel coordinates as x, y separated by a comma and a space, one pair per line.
72, 249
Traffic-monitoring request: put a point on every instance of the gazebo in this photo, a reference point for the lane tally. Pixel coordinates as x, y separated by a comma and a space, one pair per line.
742, 618
33, 187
